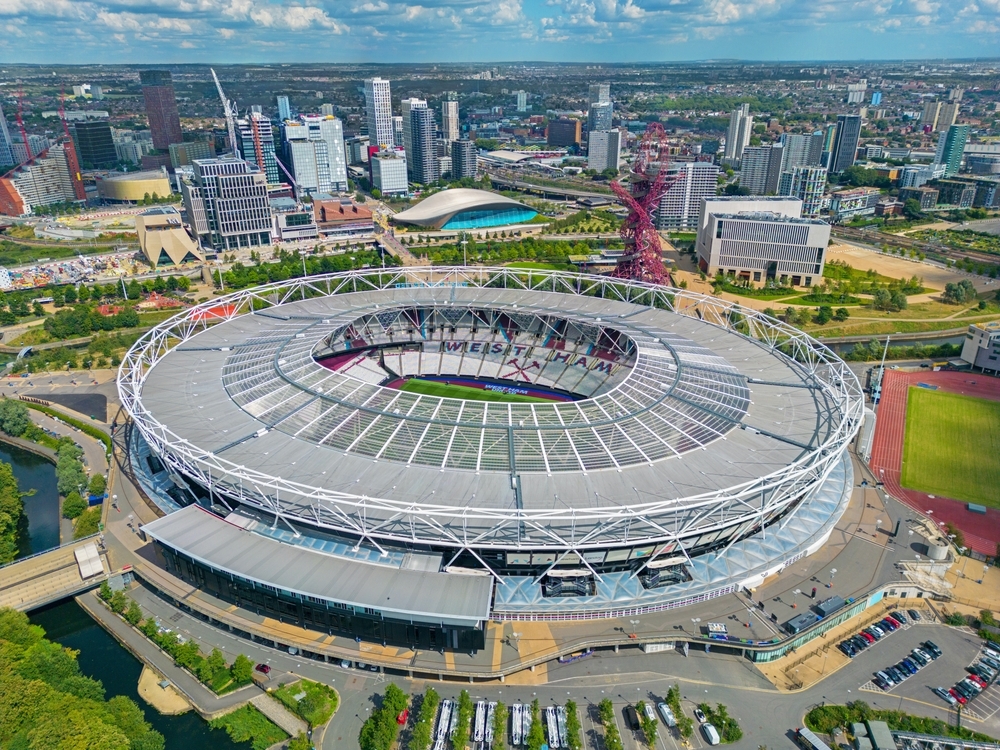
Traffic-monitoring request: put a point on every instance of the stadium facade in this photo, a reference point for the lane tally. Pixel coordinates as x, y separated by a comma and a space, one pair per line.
670, 447
464, 208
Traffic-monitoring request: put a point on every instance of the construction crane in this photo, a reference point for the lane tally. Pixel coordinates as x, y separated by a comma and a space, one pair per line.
79, 191
229, 107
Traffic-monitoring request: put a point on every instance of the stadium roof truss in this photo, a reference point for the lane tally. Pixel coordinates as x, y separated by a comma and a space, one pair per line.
666, 519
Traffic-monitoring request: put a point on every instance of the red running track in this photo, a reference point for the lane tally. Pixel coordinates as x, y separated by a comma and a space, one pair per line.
982, 533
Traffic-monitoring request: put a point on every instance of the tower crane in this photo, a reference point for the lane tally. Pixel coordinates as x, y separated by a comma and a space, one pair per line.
229, 107
79, 191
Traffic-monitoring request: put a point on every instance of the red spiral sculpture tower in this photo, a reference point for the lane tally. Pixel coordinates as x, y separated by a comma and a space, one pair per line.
648, 181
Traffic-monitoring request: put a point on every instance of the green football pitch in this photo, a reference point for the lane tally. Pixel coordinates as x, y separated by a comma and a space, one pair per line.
952, 446
435, 388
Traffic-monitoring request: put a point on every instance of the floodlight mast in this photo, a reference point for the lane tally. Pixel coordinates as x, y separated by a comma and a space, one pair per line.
229, 107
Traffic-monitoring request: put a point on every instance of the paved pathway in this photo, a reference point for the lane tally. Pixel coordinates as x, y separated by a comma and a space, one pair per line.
273, 709
206, 703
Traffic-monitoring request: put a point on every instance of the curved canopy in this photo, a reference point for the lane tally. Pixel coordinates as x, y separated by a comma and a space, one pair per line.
444, 208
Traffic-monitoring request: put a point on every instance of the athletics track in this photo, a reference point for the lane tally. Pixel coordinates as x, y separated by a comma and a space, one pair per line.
982, 533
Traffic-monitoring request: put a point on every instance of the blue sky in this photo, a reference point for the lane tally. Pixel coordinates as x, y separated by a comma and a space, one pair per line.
175, 31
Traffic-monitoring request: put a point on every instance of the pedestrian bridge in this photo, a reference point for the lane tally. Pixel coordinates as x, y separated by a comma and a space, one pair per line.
47, 577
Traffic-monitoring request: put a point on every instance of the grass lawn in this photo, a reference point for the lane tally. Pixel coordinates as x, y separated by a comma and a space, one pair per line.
433, 388
952, 446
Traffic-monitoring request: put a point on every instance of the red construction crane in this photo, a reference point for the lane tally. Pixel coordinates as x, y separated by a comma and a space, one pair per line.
648, 181
79, 192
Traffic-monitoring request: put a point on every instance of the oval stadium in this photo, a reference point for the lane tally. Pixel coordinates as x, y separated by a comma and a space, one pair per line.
404, 455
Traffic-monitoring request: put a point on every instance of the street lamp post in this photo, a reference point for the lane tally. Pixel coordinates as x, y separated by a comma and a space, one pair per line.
833, 572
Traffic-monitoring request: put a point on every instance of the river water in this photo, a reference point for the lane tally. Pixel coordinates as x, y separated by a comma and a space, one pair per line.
41, 510
102, 658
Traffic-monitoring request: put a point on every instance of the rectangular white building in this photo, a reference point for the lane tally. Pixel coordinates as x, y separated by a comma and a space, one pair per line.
763, 247
604, 150
982, 346
389, 172
378, 110
315, 147
449, 120
692, 183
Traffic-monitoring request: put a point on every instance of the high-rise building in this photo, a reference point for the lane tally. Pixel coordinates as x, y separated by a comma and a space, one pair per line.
182, 154
389, 172
600, 116
563, 132
449, 120
397, 130
6, 150
760, 169
599, 93
930, 114
947, 116
95, 144
315, 148
326, 109
37, 144
604, 150
801, 150
378, 110
950, 147
284, 109
680, 204
42, 183
464, 159
522, 101
845, 143
762, 247
856, 92
161, 108
406, 107
808, 184
257, 144
357, 149
421, 159
227, 204
739, 132
876, 98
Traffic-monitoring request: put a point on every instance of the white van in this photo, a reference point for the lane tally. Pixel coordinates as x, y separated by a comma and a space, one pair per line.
711, 734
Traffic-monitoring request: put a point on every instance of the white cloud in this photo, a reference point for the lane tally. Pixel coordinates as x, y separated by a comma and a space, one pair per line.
227, 33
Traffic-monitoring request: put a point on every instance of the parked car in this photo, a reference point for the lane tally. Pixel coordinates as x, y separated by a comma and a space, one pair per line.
957, 696
976, 680
932, 648
993, 663
860, 641
923, 655
263, 668
882, 683
345, 664
700, 716
945, 696
898, 616
648, 710
914, 615
847, 648
711, 734
631, 717
867, 636
885, 676
666, 714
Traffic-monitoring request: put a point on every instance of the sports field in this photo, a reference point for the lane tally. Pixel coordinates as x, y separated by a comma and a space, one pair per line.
952, 446
444, 390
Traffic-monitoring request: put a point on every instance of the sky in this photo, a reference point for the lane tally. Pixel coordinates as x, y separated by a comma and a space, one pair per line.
245, 31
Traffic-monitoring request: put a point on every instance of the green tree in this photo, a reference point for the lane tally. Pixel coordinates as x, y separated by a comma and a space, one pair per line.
241, 670
841, 314
97, 485
461, 738
536, 734
499, 727
300, 742
73, 505
11, 511
118, 602
14, 419
911, 209
133, 614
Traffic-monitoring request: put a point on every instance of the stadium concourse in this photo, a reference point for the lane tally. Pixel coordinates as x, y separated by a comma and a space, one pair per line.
688, 448
982, 532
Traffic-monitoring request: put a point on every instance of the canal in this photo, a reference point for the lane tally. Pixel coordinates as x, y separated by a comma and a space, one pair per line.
103, 659
40, 528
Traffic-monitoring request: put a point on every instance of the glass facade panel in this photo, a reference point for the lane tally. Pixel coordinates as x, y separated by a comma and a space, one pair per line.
479, 219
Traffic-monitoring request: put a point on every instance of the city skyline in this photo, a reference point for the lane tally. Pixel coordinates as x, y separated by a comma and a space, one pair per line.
113, 31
